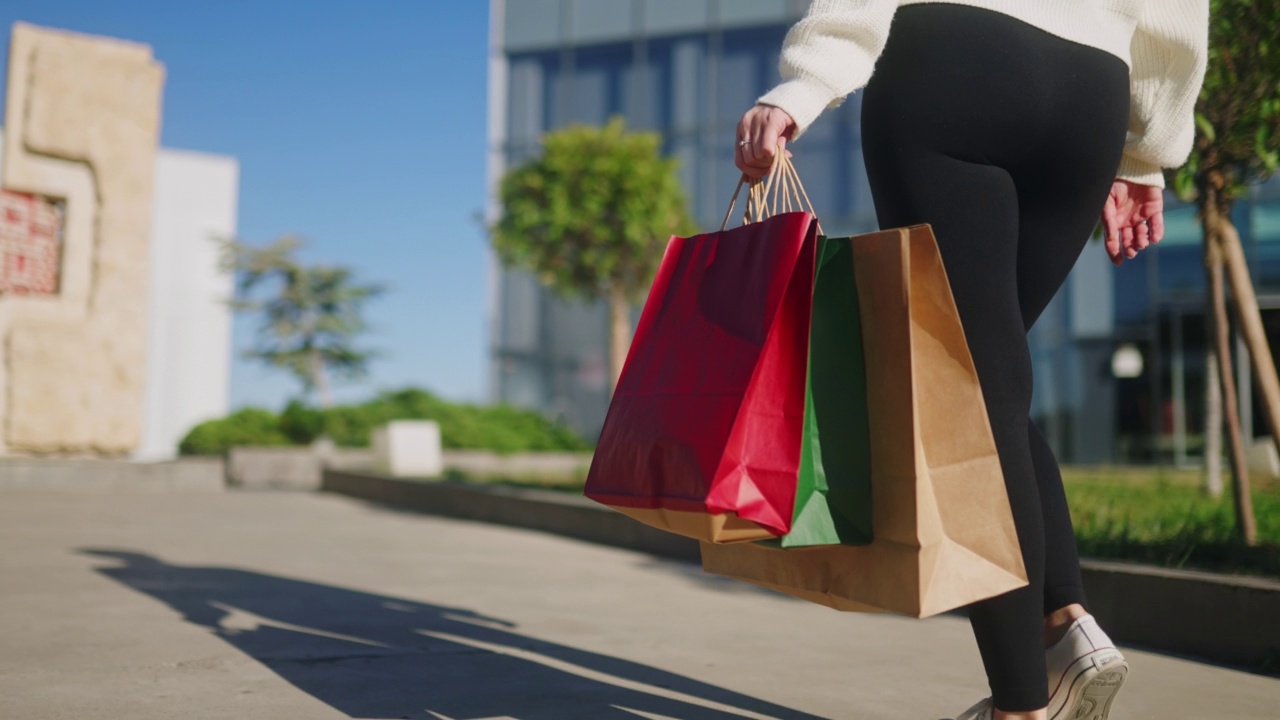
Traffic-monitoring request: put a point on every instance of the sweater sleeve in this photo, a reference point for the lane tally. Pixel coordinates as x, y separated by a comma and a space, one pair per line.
829, 54
1168, 53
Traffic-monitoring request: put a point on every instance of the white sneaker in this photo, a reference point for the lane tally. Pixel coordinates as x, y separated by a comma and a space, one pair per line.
982, 711
1085, 673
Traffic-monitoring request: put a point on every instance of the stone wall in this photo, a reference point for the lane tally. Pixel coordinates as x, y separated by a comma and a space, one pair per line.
82, 125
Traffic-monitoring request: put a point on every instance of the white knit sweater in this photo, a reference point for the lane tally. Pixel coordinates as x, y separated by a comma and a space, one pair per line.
832, 51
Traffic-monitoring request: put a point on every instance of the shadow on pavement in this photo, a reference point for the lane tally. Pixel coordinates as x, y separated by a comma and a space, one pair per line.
373, 656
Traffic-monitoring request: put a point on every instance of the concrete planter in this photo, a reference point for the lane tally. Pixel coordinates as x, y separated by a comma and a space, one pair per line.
299, 468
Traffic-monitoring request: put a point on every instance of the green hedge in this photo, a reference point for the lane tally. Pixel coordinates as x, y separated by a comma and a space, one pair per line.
498, 428
250, 426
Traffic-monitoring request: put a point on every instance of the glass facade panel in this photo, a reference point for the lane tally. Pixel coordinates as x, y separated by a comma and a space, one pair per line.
1091, 291
521, 320
646, 106
531, 24
595, 21
592, 97
671, 17
578, 363
1181, 270
526, 102
521, 384
1131, 290
754, 12
740, 75
686, 87
1181, 226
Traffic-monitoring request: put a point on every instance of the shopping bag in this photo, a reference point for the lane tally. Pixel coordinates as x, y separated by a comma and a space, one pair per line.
944, 535
703, 434
833, 489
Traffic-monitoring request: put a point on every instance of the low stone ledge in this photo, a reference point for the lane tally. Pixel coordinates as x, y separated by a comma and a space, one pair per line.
559, 513
1226, 618
1221, 618
299, 468
75, 475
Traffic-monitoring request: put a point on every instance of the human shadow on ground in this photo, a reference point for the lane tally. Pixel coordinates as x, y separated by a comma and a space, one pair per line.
375, 656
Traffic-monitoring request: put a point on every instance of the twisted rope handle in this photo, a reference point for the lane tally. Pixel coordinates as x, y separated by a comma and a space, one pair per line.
781, 190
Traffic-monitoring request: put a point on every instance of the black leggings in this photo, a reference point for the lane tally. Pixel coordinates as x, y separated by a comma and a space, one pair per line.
1006, 139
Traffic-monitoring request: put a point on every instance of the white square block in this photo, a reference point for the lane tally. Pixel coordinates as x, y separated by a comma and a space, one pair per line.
408, 448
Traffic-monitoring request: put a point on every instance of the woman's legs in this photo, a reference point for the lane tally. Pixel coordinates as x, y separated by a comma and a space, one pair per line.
1005, 139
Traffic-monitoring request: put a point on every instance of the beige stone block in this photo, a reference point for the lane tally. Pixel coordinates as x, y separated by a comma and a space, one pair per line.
82, 123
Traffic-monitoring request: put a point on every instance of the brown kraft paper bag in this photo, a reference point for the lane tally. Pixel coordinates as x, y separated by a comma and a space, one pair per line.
943, 532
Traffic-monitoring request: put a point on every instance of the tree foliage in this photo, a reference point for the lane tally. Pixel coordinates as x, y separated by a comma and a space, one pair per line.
590, 217
1238, 113
592, 212
310, 314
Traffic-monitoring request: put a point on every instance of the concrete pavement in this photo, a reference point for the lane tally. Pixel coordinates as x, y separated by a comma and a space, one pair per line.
280, 605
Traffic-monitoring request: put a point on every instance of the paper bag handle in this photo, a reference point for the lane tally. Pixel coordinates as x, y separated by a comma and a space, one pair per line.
781, 190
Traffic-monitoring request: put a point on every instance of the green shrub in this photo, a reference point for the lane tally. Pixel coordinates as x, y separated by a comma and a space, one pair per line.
250, 426
302, 424
500, 429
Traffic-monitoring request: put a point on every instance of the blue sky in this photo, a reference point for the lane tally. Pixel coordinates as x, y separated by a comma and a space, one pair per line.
359, 126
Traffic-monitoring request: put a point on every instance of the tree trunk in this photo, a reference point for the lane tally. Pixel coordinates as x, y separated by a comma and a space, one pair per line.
320, 380
1221, 334
619, 334
1212, 415
1250, 319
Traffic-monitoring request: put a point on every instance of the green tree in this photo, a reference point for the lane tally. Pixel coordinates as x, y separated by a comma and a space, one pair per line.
1237, 144
310, 314
590, 217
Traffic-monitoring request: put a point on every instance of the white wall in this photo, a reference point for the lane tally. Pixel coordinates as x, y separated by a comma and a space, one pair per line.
189, 348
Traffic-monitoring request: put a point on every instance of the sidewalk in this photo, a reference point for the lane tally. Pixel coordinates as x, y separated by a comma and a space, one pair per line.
251, 606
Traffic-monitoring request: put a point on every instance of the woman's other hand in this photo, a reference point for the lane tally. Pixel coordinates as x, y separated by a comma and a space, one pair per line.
760, 132
1132, 219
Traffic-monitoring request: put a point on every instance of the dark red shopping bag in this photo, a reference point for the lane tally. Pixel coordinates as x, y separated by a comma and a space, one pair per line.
703, 436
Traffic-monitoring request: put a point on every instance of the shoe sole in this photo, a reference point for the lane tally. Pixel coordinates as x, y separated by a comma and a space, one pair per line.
1096, 679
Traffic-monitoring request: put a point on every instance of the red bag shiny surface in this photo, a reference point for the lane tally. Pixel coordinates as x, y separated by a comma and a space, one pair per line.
703, 434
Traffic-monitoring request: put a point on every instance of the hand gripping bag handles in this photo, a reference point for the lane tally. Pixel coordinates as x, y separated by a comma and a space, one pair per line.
944, 535
703, 435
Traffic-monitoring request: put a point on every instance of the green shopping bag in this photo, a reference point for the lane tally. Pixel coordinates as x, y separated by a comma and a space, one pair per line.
833, 494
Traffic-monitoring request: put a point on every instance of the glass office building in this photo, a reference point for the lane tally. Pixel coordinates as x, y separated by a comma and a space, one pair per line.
688, 69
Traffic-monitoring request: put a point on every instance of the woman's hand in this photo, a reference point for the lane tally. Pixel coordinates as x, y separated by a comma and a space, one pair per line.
1132, 219
760, 132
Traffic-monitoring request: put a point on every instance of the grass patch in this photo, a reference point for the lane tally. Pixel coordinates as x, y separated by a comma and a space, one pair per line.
1163, 518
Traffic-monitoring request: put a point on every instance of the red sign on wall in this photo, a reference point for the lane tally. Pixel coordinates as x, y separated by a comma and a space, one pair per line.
30, 244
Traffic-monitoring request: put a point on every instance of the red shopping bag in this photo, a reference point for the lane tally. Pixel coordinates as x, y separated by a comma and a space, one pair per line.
703, 436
